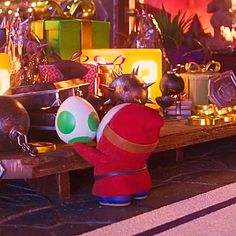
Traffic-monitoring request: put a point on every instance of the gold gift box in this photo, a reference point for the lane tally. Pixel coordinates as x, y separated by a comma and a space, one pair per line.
207, 120
212, 115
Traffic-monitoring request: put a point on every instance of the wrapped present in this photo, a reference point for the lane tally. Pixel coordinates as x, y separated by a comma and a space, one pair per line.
180, 108
196, 79
65, 36
49, 73
148, 60
106, 70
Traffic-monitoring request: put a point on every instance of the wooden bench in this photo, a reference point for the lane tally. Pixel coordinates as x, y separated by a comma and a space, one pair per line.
49, 173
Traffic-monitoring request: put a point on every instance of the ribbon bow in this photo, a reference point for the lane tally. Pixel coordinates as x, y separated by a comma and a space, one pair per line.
211, 66
119, 60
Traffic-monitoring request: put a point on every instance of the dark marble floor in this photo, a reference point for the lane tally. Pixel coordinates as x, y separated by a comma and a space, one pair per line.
24, 212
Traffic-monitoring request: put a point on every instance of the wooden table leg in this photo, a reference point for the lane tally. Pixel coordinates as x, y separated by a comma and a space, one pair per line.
179, 154
56, 185
63, 184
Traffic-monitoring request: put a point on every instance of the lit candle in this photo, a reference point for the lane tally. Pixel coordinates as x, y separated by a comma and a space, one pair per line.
4, 73
233, 2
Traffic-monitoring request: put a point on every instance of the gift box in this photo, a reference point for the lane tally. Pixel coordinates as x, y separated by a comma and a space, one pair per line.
66, 36
196, 81
182, 108
147, 60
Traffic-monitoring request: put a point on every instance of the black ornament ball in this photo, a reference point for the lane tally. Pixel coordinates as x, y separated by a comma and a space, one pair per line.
171, 84
13, 115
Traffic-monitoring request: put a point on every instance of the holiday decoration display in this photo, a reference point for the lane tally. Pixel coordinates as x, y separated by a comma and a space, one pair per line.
222, 89
126, 137
76, 120
172, 87
212, 115
56, 69
127, 88
181, 41
85, 34
148, 60
171, 84
196, 80
14, 123
148, 34
105, 70
164, 102
25, 52
4, 73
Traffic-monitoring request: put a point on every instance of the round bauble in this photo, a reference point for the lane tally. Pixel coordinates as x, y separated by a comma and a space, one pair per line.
171, 84
13, 116
76, 121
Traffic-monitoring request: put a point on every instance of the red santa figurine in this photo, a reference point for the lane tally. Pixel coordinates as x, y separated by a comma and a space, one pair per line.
126, 137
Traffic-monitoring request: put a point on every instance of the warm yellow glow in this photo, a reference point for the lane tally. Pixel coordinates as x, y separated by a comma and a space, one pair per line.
9, 12
233, 2
4, 73
4, 81
33, 4
149, 62
131, 4
7, 3
30, 9
39, 3
228, 34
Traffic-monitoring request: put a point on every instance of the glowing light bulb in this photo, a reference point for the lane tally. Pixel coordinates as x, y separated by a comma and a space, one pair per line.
4, 73
7, 3
30, 9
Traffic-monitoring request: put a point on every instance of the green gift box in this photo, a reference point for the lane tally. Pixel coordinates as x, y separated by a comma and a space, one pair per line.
66, 36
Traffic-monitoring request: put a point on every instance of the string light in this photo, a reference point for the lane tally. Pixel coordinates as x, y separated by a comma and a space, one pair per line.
7, 3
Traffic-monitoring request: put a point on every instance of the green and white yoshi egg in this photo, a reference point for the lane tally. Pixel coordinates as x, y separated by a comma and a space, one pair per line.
76, 121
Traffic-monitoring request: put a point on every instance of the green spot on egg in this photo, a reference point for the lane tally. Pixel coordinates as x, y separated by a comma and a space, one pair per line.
66, 122
83, 139
93, 121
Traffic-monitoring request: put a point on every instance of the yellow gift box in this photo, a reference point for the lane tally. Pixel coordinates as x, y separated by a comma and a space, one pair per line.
149, 62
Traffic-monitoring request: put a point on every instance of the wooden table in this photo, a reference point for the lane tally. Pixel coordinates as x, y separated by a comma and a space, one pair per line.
177, 134
50, 173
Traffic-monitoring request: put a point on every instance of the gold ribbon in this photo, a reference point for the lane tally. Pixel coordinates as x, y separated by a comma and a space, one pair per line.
211, 66
78, 56
126, 145
118, 61
88, 9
